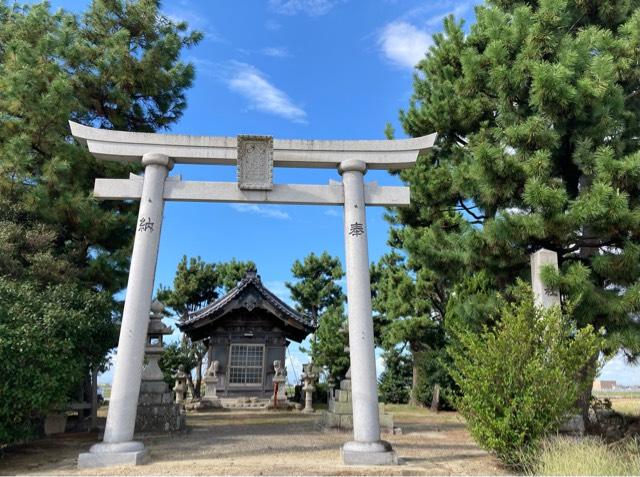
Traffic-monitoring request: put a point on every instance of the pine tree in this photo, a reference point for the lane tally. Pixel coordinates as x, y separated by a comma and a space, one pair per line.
195, 285
116, 66
233, 271
315, 292
403, 319
329, 349
537, 110
61, 251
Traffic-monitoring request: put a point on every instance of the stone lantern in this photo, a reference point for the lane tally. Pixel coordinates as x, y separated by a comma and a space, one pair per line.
157, 409
309, 376
154, 348
180, 387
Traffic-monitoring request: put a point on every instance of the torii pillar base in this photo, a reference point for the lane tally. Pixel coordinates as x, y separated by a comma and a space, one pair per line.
368, 453
108, 455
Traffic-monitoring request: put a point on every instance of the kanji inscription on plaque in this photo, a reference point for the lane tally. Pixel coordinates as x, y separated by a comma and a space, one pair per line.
255, 162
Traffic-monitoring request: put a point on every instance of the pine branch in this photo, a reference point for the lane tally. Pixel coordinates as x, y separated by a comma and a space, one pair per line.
479, 218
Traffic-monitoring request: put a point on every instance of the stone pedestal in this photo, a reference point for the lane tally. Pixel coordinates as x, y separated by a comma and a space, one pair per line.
339, 414
157, 410
106, 455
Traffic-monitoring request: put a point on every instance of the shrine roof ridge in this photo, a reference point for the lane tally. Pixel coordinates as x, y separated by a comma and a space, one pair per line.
127, 146
251, 278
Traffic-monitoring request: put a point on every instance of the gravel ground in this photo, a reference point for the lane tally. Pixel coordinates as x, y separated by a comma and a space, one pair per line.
268, 443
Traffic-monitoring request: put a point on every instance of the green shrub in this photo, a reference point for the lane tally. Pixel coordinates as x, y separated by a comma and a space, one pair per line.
587, 456
518, 380
49, 339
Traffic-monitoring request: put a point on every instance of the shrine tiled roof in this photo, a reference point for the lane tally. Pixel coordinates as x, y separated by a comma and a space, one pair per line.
250, 279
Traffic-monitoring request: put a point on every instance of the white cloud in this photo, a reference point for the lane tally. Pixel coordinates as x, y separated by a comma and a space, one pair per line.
403, 43
276, 52
196, 21
312, 8
272, 25
268, 212
433, 13
619, 370
457, 11
261, 94
280, 289
332, 213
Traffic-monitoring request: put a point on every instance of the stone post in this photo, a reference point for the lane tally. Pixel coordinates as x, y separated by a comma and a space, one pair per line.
366, 448
544, 298
118, 446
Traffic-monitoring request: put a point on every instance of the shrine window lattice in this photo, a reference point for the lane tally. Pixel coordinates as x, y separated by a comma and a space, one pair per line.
246, 364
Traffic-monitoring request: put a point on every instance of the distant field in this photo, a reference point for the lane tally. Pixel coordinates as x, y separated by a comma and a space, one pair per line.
623, 402
617, 394
106, 391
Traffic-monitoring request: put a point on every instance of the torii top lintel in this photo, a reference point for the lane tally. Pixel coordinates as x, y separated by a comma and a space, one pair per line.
131, 146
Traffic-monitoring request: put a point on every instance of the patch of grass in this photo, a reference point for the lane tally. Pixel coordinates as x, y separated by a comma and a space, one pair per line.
629, 407
617, 394
586, 456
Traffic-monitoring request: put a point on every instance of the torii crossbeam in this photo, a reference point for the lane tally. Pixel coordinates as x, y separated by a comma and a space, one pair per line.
255, 157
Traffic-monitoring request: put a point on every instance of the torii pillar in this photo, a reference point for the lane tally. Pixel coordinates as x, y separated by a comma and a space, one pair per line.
118, 446
366, 447
255, 157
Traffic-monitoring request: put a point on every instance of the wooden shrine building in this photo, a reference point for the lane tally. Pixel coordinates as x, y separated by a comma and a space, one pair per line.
246, 331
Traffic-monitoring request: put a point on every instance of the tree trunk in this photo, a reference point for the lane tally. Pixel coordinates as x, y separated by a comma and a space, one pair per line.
94, 398
435, 400
413, 399
314, 343
586, 375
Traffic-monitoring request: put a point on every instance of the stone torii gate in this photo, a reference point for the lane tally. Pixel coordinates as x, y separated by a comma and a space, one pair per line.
255, 157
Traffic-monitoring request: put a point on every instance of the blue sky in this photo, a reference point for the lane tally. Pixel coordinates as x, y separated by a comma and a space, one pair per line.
311, 69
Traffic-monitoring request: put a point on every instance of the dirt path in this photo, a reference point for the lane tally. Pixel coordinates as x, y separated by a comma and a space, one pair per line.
257, 443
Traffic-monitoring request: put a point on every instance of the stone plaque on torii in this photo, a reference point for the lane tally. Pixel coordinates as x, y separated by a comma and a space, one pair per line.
255, 157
